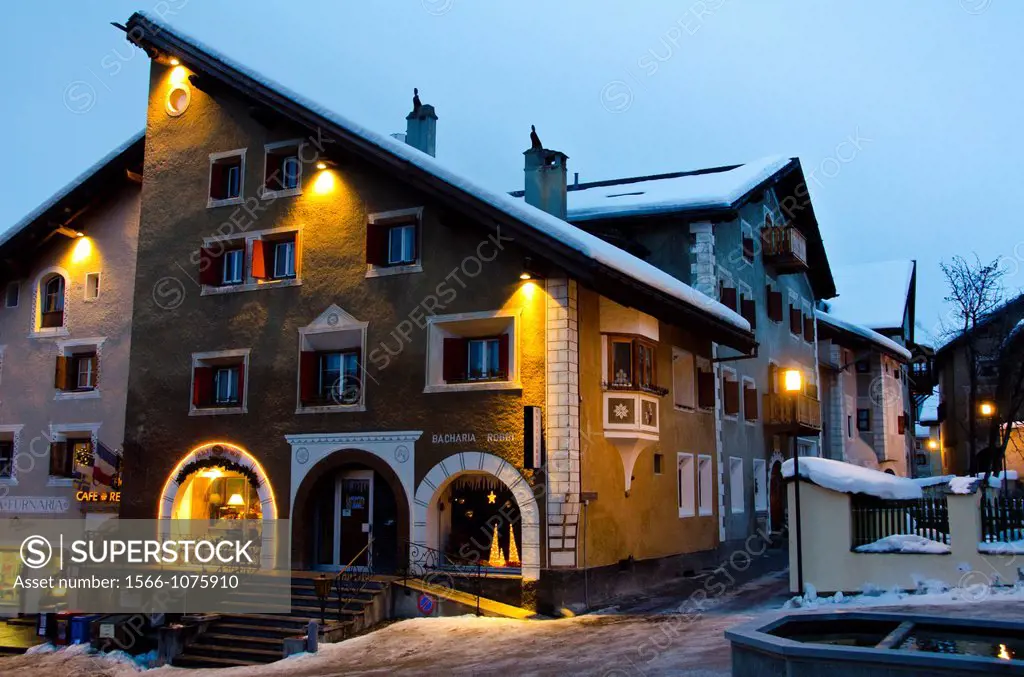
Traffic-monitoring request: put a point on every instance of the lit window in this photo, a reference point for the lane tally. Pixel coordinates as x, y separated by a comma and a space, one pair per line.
402, 245
13, 295
231, 273
225, 385
484, 360
284, 259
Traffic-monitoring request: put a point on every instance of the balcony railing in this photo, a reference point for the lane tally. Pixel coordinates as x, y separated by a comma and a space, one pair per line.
785, 247
795, 412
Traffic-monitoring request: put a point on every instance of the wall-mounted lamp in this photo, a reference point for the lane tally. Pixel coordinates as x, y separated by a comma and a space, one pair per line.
175, 62
529, 270
987, 409
67, 232
792, 381
933, 444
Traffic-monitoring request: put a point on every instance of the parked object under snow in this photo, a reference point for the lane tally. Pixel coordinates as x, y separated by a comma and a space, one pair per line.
905, 543
853, 479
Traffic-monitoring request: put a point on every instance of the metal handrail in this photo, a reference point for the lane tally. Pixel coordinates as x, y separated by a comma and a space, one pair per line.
435, 562
363, 577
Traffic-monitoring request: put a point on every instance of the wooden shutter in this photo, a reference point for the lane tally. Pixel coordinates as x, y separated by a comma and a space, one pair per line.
503, 356
748, 248
809, 329
901, 424
58, 458
377, 244
307, 377
795, 320
773, 378
210, 262
774, 304
259, 264
241, 384
217, 176
750, 402
729, 297
706, 389
60, 375
202, 386
455, 356
749, 311
272, 177
731, 392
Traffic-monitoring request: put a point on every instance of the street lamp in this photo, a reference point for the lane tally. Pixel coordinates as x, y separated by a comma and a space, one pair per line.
323, 588
792, 385
987, 409
933, 444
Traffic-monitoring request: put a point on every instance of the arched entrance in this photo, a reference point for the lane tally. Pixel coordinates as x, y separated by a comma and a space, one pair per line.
498, 499
343, 499
217, 481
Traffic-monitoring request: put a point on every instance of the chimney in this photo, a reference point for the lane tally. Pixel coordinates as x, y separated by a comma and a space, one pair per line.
421, 129
546, 180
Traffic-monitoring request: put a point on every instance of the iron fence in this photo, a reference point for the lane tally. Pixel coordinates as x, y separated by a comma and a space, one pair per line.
876, 518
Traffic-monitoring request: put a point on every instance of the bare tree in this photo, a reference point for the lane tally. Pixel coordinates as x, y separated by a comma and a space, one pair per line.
975, 290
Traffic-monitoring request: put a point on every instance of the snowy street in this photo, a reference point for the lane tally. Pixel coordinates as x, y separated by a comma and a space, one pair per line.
643, 638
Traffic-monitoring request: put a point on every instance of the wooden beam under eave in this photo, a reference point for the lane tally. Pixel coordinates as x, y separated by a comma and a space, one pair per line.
134, 177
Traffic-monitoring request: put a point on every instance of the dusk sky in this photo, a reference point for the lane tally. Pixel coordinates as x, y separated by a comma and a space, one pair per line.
906, 115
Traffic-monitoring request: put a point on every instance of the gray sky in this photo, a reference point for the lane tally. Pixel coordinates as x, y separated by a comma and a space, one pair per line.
930, 89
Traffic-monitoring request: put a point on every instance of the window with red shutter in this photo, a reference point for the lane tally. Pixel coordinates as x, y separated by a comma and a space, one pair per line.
809, 329
749, 311
901, 424
796, 320
202, 386
706, 389
728, 297
750, 403
308, 377
210, 261
455, 360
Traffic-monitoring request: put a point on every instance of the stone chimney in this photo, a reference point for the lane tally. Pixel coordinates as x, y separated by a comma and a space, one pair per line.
546, 180
421, 129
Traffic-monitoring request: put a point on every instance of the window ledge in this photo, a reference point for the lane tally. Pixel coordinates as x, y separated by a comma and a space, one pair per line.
688, 410
226, 202
750, 421
706, 513
470, 387
93, 394
217, 411
685, 513
331, 409
210, 290
267, 194
60, 481
8, 481
385, 271
50, 332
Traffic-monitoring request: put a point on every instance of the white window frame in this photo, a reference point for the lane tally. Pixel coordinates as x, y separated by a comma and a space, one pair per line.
403, 258
249, 283
290, 269
737, 494
436, 333
67, 348
224, 155
705, 495
96, 275
59, 432
231, 389
681, 354
686, 489
268, 149
16, 285
201, 359
743, 401
331, 321
233, 254
400, 269
14, 430
760, 485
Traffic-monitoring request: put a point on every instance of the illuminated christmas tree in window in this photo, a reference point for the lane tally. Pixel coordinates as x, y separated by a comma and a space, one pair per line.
497, 557
513, 551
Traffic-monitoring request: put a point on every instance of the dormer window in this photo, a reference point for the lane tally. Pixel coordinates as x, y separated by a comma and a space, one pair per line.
52, 295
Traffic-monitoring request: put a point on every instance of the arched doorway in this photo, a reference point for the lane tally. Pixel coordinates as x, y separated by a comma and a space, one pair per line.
345, 499
777, 497
467, 499
218, 481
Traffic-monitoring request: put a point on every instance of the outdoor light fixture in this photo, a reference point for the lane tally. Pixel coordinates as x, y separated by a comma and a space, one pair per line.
987, 409
529, 270
323, 589
933, 445
321, 165
792, 380
67, 232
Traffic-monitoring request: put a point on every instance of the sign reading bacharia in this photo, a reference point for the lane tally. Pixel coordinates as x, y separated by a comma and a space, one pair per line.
471, 438
155, 566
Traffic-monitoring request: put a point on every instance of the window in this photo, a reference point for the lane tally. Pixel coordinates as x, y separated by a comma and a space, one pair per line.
218, 382
84, 366
760, 485
683, 379
284, 259
727, 295
339, 378
704, 490
750, 401
226, 174
232, 266
901, 424
862, 366
863, 420
68, 457
279, 249
476, 359
6, 459
730, 393
684, 477
13, 295
282, 173
849, 426
658, 464
52, 301
330, 363
748, 247
92, 286
393, 242
472, 351
632, 364
484, 359
737, 497
774, 304
796, 321
401, 245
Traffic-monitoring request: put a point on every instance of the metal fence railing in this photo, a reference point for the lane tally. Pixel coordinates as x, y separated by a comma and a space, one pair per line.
876, 518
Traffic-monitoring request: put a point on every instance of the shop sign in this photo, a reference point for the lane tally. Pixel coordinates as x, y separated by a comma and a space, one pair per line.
98, 496
470, 438
34, 504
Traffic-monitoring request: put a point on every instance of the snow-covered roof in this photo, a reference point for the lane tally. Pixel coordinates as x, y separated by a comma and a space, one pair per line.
886, 344
715, 188
68, 188
872, 294
853, 479
569, 235
930, 409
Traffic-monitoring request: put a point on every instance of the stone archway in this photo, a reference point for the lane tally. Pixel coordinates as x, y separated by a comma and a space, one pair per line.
432, 486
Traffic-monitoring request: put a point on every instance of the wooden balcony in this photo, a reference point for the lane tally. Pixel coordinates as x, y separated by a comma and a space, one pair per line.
800, 413
632, 424
785, 248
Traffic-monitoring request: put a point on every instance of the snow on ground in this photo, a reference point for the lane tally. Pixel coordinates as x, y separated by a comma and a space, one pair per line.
905, 543
1002, 548
853, 479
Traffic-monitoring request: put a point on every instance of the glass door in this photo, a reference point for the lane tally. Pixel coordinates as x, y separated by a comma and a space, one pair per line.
354, 517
